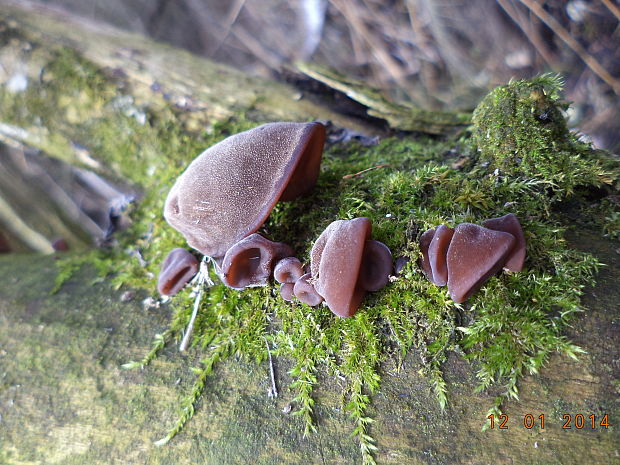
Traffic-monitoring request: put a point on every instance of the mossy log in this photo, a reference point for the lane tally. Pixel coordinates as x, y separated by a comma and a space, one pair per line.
65, 399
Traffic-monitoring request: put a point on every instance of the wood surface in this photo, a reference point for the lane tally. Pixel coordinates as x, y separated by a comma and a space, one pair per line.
65, 400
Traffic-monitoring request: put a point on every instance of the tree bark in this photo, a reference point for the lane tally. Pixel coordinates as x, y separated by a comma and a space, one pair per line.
64, 398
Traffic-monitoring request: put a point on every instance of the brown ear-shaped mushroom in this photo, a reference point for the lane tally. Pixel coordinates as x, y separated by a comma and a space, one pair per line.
335, 261
250, 261
228, 191
177, 269
425, 242
510, 224
306, 292
345, 264
286, 291
437, 252
377, 266
474, 255
288, 270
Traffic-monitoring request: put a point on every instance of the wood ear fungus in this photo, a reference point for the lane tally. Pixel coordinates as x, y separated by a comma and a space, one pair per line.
288, 270
250, 261
510, 224
475, 254
345, 264
229, 190
305, 291
464, 258
177, 269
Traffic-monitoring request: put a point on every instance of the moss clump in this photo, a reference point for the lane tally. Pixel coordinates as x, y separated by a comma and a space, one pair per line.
520, 130
509, 328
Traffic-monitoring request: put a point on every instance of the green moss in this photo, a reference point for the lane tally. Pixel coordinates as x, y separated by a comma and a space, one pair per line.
520, 129
522, 159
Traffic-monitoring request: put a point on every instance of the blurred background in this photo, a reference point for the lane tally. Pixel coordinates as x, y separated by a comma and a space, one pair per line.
436, 54
439, 54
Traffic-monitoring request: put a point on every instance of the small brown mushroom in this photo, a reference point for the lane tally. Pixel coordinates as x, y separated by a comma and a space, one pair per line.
286, 291
425, 241
177, 269
288, 270
250, 261
437, 251
474, 255
60, 245
228, 191
346, 264
510, 224
306, 292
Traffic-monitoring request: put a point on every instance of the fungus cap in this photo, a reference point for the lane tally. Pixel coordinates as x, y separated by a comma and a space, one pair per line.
177, 269
250, 261
345, 263
510, 224
228, 191
474, 255
306, 292
288, 270
437, 254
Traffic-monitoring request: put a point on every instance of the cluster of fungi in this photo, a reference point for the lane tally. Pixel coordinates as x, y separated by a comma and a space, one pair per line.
226, 194
465, 257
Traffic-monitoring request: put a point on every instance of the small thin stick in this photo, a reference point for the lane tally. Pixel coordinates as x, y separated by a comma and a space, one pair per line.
349, 176
563, 34
199, 281
274, 390
613, 8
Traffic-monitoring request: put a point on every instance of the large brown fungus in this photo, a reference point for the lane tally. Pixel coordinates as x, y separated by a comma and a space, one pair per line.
250, 261
177, 269
228, 191
345, 264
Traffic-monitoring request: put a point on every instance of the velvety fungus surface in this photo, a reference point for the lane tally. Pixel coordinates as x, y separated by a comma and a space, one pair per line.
229, 190
474, 255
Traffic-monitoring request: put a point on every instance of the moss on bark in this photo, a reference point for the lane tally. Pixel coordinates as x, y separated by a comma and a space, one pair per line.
64, 398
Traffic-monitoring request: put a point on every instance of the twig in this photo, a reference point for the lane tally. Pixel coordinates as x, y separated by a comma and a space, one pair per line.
199, 281
231, 19
613, 8
530, 32
565, 36
274, 390
349, 176
355, 22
